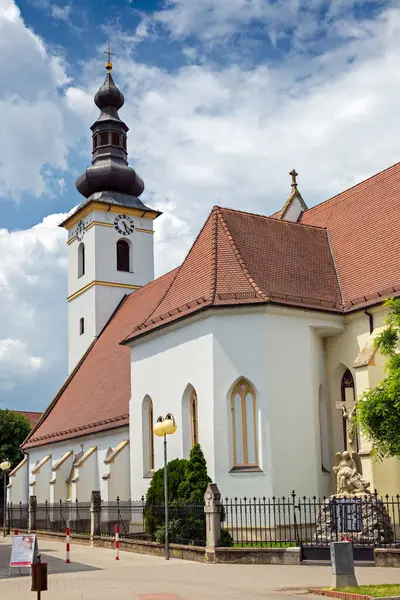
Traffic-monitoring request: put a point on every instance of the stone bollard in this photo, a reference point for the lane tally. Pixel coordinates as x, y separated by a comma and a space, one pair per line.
342, 565
95, 515
212, 509
32, 513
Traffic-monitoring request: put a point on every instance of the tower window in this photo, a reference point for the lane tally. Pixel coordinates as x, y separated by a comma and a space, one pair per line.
115, 139
103, 139
123, 256
81, 259
94, 142
81, 326
124, 142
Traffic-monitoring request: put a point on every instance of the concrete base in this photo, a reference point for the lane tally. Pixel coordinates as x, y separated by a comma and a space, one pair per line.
346, 580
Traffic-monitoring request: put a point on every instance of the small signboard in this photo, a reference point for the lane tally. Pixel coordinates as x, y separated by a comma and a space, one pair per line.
24, 550
347, 514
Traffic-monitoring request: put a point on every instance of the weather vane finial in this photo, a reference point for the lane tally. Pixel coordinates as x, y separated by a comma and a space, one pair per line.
294, 174
109, 55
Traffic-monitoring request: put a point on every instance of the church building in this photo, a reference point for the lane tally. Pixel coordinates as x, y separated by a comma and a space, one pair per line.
259, 343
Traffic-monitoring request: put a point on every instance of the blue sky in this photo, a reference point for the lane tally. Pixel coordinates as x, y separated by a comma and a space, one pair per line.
223, 99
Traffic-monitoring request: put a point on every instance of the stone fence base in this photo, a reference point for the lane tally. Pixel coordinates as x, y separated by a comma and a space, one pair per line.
266, 556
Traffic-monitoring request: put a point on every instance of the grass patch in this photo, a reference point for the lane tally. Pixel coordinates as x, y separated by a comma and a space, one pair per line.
265, 545
384, 589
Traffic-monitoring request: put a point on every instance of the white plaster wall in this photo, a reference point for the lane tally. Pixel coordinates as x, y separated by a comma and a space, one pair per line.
280, 352
95, 469
119, 483
18, 487
82, 307
97, 304
162, 367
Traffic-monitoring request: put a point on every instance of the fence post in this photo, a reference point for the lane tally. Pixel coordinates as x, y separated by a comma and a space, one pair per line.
32, 513
212, 509
95, 514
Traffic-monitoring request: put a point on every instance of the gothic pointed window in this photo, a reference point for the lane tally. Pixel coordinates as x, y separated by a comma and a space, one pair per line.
348, 407
123, 258
194, 418
81, 259
244, 425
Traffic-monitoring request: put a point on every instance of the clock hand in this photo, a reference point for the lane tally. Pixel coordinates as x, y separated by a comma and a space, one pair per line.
126, 228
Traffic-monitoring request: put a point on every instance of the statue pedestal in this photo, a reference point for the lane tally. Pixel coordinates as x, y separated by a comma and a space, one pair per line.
362, 519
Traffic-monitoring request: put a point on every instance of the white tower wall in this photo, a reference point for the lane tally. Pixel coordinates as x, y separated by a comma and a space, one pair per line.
94, 295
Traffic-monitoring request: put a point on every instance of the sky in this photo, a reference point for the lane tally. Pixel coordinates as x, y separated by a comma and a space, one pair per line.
223, 99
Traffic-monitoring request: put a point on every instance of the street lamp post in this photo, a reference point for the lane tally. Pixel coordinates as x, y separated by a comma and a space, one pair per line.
5, 466
162, 428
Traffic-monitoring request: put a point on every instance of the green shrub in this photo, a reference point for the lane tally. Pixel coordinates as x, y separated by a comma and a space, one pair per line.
154, 508
226, 540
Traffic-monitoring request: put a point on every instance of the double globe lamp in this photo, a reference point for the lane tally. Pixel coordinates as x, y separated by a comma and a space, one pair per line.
162, 428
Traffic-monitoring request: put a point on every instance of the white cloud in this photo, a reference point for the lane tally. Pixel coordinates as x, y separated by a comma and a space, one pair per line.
33, 321
33, 132
14, 355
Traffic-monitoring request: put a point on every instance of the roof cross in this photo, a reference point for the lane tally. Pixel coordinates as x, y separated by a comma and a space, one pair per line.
109, 55
294, 174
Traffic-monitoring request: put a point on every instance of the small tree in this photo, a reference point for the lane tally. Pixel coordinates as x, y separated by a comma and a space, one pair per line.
193, 488
154, 511
378, 409
14, 428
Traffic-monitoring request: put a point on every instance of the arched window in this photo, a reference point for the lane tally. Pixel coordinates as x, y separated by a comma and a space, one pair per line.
194, 418
123, 256
81, 259
148, 436
348, 398
244, 424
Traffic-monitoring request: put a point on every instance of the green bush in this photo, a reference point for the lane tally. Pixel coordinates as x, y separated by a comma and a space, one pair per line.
154, 508
187, 483
226, 540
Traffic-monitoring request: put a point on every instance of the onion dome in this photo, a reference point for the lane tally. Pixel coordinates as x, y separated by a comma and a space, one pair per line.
109, 170
109, 95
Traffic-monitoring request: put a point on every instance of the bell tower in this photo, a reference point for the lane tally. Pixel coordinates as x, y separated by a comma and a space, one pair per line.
110, 234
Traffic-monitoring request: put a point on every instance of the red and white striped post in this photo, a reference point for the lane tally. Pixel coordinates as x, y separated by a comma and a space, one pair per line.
68, 544
117, 541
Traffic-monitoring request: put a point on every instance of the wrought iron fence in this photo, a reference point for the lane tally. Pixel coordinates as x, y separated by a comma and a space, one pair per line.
17, 516
186, 522
127, 514
369, 521
58, 516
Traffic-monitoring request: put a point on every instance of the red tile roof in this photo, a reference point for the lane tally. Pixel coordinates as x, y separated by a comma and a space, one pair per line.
241, 258
33, 417
363, 229
96, 395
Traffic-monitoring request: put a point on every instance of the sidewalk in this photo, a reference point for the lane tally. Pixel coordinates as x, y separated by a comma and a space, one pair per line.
95, 575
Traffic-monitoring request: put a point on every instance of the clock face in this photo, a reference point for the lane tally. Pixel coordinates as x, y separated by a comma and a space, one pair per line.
80, 230
124, 224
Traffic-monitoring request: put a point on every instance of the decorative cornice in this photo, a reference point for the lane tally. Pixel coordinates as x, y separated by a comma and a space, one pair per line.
107, 283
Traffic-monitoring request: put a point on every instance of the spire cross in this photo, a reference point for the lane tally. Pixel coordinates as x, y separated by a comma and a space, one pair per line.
294, 174
109, 55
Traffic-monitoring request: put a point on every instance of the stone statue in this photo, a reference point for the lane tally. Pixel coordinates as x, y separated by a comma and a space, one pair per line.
349, 415
348, 477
